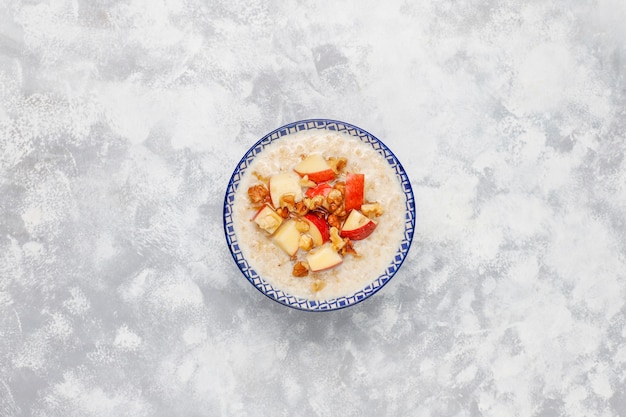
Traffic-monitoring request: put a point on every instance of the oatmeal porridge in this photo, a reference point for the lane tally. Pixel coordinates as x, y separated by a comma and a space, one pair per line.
319, 215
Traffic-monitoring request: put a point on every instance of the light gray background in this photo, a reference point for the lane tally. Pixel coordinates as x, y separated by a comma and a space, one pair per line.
121, 122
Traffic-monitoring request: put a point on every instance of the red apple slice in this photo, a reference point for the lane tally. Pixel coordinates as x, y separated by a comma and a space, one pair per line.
316, 167
355, 188
285, 183
322, 189
267, 219
323, 258
357, 226
318, 229
287, 237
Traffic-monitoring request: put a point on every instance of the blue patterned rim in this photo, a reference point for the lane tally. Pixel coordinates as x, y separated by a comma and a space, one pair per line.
303, 303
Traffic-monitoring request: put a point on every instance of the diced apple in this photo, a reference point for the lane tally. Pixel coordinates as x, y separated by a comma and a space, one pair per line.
285, 183
318, 229
355, 188
316, 167
322, 189
323, 258
267, 219
357, 226
287, 237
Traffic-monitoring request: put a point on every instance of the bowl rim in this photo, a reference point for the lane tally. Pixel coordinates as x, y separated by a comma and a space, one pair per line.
281, 296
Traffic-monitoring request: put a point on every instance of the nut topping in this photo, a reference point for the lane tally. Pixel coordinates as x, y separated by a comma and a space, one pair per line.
300, 270
258, 194
372, 210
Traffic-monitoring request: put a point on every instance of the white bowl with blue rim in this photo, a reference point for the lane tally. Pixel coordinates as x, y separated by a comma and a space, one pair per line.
279, 295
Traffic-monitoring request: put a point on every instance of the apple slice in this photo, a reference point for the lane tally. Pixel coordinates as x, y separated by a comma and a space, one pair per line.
318, 229
323, 258
322, 189
355, 188
285, 183
316, 167
357, 226
267, 219
287, 237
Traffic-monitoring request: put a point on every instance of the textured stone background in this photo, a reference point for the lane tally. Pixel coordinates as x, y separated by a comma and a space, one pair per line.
121, 122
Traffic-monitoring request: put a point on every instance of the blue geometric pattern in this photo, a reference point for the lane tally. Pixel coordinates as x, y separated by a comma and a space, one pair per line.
302, 303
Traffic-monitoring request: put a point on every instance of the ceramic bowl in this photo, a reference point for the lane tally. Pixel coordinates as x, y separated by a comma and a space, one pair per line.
279, 295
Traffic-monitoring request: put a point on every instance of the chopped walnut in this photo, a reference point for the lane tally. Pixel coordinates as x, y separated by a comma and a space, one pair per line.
305, 243
372, 209
341, 186
302, 226
306, 182
283, 212
314, 203
348, 248
300, 208
334, 197
287, 200
258, 194
300, 270
333, 221
337, 164
336, 241
318, 285
340, 211
325, 205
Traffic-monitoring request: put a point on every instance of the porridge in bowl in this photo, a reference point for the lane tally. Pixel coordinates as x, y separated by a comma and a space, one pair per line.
319, 214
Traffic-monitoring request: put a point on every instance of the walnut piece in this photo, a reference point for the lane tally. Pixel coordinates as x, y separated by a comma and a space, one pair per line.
314, 203
287, 200
334, 197
300, 270
283, 212
336, 241
340, 211
334, 201
341, 186
337, 164
333, 221
372, 209
300, 208
348, 249
258, 194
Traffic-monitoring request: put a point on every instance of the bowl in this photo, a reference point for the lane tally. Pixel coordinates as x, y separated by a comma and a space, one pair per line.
260, 282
